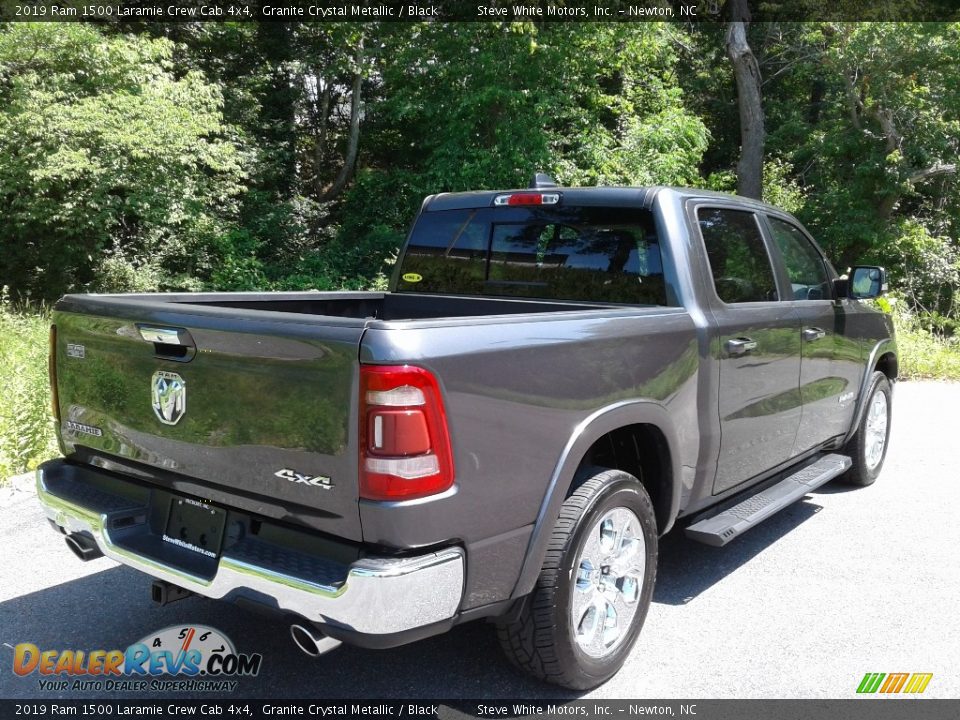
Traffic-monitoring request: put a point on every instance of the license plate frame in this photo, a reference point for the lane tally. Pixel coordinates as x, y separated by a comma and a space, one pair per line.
195, 526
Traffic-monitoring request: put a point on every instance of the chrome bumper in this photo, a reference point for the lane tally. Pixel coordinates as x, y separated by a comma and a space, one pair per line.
375, 596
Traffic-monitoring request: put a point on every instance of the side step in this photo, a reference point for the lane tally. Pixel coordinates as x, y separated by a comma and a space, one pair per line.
721, 529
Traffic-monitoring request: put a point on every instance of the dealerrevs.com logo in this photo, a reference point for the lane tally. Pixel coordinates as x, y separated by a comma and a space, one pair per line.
192, 658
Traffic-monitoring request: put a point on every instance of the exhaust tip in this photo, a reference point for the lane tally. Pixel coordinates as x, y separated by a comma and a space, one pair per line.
304, 639
311, 641
83, 546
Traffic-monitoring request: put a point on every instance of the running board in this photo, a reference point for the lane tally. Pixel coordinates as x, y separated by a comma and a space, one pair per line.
724, 527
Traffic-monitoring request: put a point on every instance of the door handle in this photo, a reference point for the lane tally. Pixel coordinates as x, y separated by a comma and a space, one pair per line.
813, 333
740, 345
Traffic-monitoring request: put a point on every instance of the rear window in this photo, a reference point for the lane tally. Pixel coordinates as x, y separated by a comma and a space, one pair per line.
558, 253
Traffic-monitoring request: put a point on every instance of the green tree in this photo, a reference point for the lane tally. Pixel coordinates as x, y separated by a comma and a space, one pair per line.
874, 137
484, 105
113, 166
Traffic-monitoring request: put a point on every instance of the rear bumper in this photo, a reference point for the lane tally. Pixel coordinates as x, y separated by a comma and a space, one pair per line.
369, 596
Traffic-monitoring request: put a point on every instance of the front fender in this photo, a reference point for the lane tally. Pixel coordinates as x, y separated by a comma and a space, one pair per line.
884, 346
603, 421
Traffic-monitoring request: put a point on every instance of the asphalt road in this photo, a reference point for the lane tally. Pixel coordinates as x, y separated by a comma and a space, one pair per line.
844, 582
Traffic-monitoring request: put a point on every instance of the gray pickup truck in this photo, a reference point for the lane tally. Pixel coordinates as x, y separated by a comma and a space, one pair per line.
556, 378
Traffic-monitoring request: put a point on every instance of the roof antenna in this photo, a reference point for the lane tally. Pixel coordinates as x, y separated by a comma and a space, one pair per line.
542, 180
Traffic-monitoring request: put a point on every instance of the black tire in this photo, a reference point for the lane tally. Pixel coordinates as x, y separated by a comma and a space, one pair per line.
542, 640
864, 472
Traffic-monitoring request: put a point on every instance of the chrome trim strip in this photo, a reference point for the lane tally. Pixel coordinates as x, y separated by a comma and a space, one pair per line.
379, 595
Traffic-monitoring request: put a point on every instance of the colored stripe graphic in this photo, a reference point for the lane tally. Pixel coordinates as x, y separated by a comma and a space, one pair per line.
918, 683
870, 682
894, 683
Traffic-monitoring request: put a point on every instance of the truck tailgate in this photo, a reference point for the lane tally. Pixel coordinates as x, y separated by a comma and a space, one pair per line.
260, 407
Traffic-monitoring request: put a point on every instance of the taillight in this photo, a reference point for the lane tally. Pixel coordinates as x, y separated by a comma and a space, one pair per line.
404, 443
52, 372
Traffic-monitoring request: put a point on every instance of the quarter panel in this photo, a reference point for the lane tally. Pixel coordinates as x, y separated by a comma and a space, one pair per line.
515, 394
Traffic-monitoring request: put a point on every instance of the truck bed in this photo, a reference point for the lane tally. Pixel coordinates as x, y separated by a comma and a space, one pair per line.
271, 382
335, 305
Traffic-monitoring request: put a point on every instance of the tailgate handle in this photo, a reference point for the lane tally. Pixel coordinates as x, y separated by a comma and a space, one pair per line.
169, 343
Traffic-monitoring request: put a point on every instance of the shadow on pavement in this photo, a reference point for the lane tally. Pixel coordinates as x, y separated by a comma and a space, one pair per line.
112, 609
834, 488
687, 568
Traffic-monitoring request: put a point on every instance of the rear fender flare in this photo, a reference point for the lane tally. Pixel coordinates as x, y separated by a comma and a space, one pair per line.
601, 422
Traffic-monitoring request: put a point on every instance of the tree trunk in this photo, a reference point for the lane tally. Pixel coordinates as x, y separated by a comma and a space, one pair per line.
935, 170
818, 90
888, 203
278, 116
320, 140
854, 104
746, 70
353, 141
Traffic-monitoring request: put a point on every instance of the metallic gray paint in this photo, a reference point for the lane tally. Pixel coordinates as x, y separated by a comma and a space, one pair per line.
591, 429
526, 380
880, 348
263, 396
527, 393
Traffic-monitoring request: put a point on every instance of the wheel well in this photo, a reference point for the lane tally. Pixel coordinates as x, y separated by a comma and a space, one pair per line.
642, 451
887, 364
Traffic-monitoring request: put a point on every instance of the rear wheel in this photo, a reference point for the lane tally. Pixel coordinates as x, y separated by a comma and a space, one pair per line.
868, 445
595, 586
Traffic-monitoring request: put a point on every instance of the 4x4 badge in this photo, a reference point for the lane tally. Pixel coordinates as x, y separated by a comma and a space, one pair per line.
320, 481
169, 394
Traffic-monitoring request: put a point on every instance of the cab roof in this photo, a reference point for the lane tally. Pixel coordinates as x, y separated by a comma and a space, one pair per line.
585, 196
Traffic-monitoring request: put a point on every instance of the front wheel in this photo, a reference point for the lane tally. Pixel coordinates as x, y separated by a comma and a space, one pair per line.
868, 445
595, 586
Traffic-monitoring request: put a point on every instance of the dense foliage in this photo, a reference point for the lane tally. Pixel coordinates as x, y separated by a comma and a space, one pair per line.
111, 163
242, 156
26, 425
245, 156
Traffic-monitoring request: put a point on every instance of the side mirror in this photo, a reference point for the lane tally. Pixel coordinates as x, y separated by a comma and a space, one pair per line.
866, 281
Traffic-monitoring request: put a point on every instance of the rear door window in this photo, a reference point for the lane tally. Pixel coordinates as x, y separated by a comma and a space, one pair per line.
739, 261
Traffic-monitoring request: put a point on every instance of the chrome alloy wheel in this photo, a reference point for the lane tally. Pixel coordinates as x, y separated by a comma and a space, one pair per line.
876, 430
609, 579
